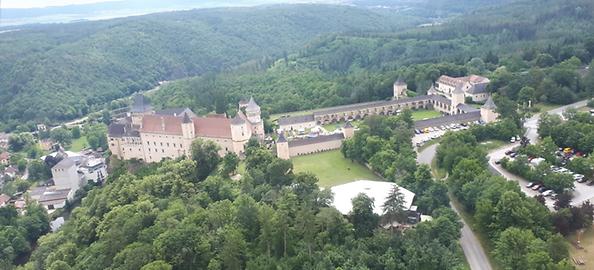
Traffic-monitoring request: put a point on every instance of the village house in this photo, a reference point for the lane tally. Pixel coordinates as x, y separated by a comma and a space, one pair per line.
4, 138
4, 158
4, 200
152, 136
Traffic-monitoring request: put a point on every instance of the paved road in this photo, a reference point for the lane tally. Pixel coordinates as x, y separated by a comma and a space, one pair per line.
582, 191
473, 251
426, 156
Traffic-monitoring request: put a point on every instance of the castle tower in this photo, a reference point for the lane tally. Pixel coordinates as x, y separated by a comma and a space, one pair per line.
187, 127
253, 114
240, 132
348, 130
282, 147
400, 88
457, 99
140, 107
488, 111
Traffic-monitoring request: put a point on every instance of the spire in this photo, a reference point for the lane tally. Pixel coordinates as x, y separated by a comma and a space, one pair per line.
281, 138
252, 105
490, 104
237, 120
187, 118
399, 82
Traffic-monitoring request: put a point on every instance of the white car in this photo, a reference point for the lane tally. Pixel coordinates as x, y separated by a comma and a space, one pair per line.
512, 140
547, 193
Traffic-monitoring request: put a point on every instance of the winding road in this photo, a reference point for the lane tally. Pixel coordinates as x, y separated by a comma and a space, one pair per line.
473, 250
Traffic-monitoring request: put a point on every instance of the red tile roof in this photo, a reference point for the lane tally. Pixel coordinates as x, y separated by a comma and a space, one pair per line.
162, 124
212, 127
4, 156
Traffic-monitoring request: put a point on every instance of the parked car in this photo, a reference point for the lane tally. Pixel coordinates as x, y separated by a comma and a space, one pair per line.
508, 152
547, 193
542, 189
590, 183
512, 140
535, 187
531, 184
498, 161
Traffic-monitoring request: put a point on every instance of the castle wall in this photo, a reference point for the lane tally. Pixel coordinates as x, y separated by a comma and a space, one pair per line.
315, 148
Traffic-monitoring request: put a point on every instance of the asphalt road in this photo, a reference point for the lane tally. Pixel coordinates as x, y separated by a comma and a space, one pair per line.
472, 248
582, 191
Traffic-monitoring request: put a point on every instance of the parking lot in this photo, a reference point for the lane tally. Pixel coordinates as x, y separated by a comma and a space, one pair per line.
426, 135
581, 193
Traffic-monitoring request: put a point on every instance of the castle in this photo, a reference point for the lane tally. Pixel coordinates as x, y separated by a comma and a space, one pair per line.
447, 96
151, 136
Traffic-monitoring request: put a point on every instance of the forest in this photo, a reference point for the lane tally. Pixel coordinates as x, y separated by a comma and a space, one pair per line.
189, 214
537, 52
56, 72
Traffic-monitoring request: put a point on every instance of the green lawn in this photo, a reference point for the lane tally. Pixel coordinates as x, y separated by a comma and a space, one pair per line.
335, 126
546, 107
79, 144
422, 114
332, 168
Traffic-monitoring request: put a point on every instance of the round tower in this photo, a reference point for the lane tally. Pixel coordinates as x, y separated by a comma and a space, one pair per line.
458, 98
488, 111
239, 129
400, 88
253, 112
282, 147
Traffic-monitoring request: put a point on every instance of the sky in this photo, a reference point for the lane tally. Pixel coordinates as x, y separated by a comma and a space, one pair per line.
45, 3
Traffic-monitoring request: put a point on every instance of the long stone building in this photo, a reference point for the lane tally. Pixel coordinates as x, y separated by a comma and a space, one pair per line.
149, 135
450, 101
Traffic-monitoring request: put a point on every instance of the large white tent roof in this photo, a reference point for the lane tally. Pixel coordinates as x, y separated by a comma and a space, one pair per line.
378, 191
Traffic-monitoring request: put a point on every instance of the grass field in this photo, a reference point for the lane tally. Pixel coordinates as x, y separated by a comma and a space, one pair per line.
79, 144
422, 114
332, 168
587, 251
335, 126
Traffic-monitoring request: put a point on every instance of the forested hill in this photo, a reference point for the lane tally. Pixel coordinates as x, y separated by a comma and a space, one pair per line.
526, 37
58, 72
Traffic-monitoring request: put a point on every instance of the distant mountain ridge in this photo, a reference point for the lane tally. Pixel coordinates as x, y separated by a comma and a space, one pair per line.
123, 8
59, 72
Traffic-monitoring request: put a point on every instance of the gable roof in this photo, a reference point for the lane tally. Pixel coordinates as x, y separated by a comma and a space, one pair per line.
176, 112
478, 88
65, 163
292, 120
161, 124
212, 127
